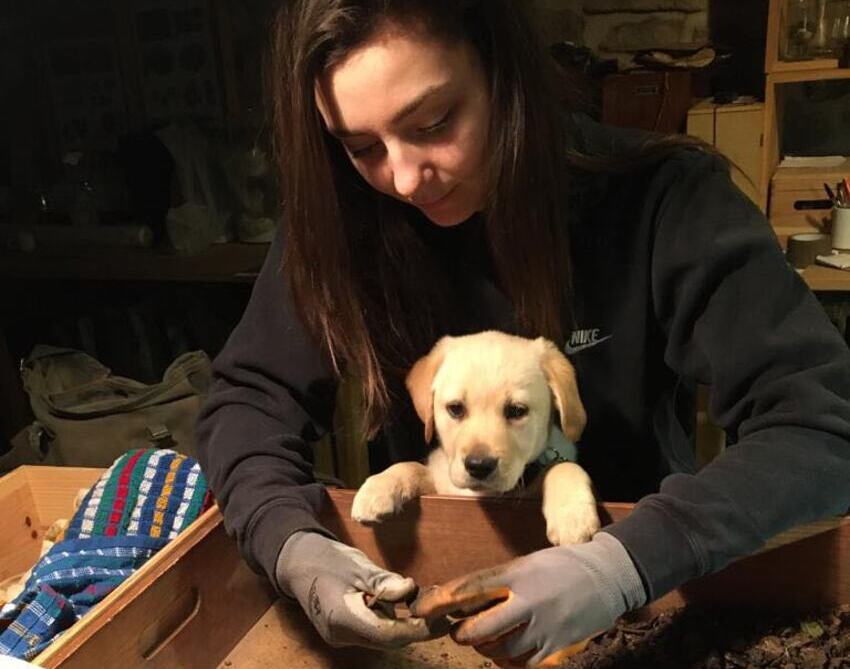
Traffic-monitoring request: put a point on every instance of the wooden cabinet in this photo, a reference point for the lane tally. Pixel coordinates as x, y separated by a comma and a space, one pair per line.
656, 101
736, 131
780, 74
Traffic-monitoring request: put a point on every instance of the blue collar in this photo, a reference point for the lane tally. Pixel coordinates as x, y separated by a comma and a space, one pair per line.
558, 449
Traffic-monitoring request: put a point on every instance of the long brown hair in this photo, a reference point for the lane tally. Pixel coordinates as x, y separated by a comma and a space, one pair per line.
363, 282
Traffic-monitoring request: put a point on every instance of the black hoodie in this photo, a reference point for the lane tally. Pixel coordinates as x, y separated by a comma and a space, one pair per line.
677, 280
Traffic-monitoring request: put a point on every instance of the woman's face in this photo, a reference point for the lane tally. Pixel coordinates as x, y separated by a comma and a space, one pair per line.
413, 116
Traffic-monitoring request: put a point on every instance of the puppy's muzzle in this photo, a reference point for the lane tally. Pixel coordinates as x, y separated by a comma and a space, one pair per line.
480, 467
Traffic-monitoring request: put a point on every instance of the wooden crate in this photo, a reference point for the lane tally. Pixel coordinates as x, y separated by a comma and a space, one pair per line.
191, 596
196, 604
798, 201
32, 498
193, 587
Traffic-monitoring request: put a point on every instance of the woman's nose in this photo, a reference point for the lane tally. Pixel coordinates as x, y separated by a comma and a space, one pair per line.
410, 171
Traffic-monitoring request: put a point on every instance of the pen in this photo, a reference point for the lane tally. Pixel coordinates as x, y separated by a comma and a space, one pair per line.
830, 193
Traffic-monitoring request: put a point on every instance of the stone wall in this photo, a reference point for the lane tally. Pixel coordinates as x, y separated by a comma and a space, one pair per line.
559, 20
617, 28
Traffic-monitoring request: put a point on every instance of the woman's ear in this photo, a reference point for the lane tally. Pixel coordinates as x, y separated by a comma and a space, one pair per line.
561, 376
420, 385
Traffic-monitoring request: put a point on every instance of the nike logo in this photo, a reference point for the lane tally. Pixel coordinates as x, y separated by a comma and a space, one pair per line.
582, 339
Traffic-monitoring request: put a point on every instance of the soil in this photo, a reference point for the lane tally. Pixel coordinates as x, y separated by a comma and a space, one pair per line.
723, 639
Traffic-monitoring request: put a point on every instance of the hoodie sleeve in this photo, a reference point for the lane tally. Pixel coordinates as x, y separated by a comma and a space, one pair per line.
738, 318
272, 396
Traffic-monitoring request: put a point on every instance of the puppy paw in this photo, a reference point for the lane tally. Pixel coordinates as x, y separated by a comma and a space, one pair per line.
572, 524
376, 500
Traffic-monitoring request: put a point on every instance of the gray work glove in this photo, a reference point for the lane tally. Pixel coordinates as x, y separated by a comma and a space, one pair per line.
329, 580
538, 605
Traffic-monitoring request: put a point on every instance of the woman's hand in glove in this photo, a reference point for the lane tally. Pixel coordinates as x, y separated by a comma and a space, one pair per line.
532, 608
329, 579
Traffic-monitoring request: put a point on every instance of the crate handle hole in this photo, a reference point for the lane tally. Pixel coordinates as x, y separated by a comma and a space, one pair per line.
809, 205
173, 620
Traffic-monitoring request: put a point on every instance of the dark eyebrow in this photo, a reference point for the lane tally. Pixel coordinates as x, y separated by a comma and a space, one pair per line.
403, 113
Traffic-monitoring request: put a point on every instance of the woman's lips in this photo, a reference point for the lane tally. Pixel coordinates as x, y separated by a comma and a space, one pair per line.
435, 203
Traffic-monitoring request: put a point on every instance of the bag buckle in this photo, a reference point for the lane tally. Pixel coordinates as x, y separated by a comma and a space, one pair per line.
159, 435
39, 438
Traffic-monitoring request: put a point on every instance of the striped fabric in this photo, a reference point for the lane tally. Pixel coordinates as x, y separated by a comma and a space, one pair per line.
137, 506
24, 637
147, 492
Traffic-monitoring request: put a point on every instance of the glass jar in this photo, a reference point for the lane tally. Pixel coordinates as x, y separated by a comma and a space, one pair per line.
819, 45
800, 27
839, 20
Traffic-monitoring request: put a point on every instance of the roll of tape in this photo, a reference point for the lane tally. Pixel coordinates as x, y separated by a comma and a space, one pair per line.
804, 248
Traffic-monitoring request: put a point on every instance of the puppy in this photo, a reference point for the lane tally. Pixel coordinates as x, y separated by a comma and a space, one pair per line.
490, 397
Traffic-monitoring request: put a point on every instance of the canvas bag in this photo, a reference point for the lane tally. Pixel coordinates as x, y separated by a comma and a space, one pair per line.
85, 416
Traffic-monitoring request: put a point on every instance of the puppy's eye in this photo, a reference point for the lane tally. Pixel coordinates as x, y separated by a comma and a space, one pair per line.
515, 411
456, 410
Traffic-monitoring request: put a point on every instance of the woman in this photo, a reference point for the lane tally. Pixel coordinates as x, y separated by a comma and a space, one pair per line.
432, 186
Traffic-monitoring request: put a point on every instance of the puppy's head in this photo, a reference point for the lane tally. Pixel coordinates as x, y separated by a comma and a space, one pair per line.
490, 396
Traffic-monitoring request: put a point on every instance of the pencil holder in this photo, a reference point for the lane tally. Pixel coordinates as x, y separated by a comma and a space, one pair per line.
841, 228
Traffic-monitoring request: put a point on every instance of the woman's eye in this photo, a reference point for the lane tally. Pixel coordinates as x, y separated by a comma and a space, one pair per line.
436, 127
363, 152
515, 411
456, 410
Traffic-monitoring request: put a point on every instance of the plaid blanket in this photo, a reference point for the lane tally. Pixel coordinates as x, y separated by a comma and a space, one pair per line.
136, 507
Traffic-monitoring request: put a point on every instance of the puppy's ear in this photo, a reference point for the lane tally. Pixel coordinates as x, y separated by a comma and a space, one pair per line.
420, 380
561, 376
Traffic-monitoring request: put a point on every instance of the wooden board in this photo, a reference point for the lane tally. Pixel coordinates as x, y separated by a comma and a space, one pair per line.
197, 605
232, 262
284, 638
18, 526
735, 130
774, 27
820, 278
187, 607
442, 537
439, 537
55, 488
809, 178
738, 137
32, 498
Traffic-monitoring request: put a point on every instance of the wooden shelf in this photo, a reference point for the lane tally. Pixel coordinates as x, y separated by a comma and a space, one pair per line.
776, 26
826, 279
231, 262
778, 75
802, 65
800, 76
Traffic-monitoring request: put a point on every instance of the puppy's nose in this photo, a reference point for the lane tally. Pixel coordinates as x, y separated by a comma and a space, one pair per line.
480, 467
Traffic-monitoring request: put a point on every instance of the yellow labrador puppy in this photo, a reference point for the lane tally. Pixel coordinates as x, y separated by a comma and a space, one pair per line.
490, 397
